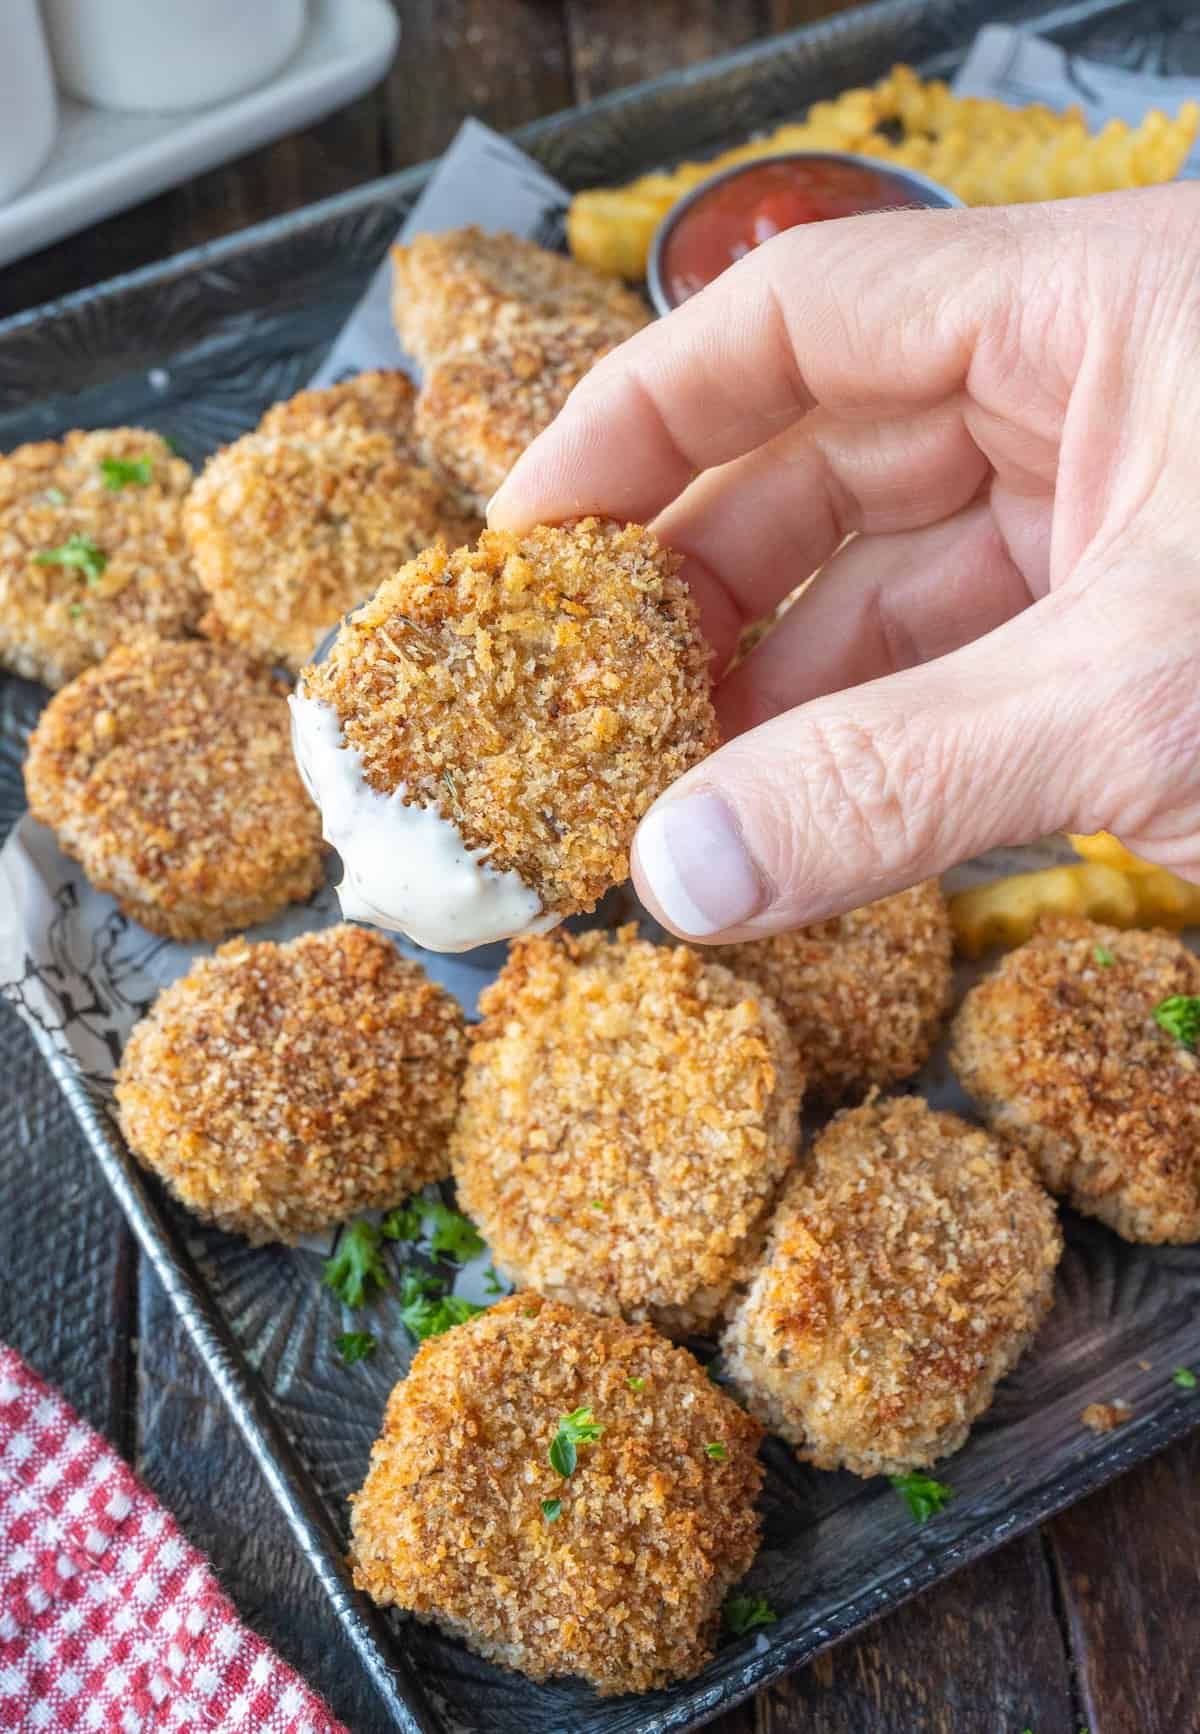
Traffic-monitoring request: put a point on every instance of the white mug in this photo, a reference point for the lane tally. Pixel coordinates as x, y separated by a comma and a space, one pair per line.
169, 54
28, 105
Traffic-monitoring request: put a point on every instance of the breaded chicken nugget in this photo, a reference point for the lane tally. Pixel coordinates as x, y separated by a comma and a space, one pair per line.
537, 692
1061, 1049
504, 330
279, 1089
910, 1264
613, 1569
864, 995
628, 1114
167, 773
91, 550
294, 524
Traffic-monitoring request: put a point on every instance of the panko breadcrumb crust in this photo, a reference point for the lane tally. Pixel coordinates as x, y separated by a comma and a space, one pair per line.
167, 773
1062, 1054
504, 330
628, 1114
864, 995
56, 620
625, 1587
296, 523
911, 1262
280, 1089
540, 691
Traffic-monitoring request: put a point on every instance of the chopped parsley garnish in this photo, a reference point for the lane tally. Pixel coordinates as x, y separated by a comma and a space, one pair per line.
403, 1222
923, 1496
599, 1204
718, 1452
355, 1346
552, 1510
75, 610
1184, 1378
1103, 956
577, 1428
427, 1310
56, 497
453, 1235
121, 473
491, 1281
1180, 1017
356, 1266
742, 1613
77, 550
635, 1384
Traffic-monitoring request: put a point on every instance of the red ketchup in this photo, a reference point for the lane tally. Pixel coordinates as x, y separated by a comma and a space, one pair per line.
749, 207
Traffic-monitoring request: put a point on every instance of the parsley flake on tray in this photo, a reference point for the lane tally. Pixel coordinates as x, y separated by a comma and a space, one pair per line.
742, 1613
923, 1496
356, 1266
355, 1346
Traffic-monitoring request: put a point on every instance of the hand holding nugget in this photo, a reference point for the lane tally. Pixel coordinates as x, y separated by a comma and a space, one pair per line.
1003, 405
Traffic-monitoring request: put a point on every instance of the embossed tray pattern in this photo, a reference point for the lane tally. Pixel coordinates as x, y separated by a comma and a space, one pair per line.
197, 347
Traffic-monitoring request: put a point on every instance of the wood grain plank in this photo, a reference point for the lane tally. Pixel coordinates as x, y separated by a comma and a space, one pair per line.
1129, 1570
625, 41
790, 14
981, 1653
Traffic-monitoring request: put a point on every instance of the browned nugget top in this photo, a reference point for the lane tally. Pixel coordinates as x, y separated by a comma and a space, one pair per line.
294, 524
540, 690
167, 772
56, 619
911, 1262
864, 995
504, 330
280, 1089
628, 1114
624, 1587
1062, 1052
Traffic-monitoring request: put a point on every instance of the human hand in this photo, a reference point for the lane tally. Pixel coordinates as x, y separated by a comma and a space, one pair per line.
1005, 405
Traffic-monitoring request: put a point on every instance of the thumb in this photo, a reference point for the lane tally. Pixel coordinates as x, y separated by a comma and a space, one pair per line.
847, 798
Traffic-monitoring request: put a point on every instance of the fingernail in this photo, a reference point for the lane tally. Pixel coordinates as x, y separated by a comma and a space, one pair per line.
697, 867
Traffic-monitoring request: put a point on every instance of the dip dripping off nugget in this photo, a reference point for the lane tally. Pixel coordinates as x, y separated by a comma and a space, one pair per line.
911, 1262
167, 773
864, 995
487, 731
607, 1558
280, 1089
504, 330
91, 550
296, 523
628, 1115
1080, 1047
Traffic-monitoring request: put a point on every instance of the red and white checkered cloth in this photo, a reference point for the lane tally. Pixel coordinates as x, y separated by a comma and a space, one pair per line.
109, 1619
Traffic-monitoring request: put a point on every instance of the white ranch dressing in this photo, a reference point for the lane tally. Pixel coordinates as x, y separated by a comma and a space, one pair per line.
407, 869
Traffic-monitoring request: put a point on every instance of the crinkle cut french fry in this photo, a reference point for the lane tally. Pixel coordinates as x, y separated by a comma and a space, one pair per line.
1006, 911
1103, 846
1166, 901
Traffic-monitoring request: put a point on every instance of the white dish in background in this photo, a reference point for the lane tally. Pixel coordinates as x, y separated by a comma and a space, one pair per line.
104, 160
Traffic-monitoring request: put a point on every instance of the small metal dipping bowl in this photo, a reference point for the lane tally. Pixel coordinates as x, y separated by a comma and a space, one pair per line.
910, 186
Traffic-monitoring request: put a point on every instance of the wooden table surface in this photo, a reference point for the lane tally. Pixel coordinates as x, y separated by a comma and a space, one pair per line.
1093, 1622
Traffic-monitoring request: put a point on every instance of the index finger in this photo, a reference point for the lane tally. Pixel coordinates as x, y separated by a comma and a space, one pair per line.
868, 313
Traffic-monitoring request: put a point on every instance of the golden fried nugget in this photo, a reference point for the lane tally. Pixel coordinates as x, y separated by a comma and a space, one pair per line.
293, 525
540, 691
167, 772
615, 1572
280, 1089
628, 1114
864, 995
91, 550
1062, 1052
504, 330
911, 1262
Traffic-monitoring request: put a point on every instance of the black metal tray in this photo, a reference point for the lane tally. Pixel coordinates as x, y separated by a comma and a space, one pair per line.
198, 347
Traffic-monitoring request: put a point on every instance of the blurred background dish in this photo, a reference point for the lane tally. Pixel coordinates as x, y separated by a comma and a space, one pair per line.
28, 105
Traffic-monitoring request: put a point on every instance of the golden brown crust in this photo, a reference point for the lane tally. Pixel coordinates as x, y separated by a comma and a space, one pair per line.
541, 690
628, 1114
504, 330
279, 1089
864, 995
56, 620
625, 1587
1063, 1055
911, 1262
167, 772
294, 524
